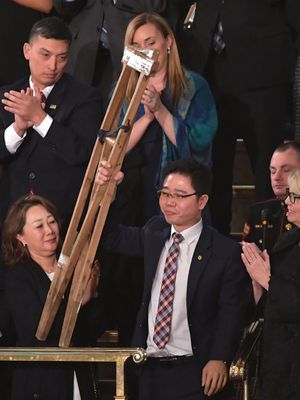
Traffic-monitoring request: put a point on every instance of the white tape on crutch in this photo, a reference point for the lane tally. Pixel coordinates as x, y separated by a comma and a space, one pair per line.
141, 60
63, 261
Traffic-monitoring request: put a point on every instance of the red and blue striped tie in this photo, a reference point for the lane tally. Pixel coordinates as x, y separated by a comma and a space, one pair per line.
163, 318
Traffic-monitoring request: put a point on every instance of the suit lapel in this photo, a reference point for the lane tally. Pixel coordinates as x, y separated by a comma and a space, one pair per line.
199, 263
55, 100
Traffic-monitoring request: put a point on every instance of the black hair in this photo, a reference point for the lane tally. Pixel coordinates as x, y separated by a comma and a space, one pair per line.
199, 174
51, 28
290, 145
12, 249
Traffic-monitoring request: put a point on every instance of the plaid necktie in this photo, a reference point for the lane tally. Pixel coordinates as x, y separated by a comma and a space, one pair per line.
218, 38
163, 318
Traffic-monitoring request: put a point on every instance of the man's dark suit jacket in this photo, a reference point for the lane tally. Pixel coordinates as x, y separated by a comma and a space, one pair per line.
53, 166
27, 287
216, 284
258, 39
86, 22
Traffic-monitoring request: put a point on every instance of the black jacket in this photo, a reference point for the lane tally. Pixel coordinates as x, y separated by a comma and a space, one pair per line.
86, 19
281, 339
259, 41
27, 287
215, 290
273, 213
53, 166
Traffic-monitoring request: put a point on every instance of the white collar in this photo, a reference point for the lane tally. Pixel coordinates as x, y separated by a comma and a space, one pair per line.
47, 90
190, 233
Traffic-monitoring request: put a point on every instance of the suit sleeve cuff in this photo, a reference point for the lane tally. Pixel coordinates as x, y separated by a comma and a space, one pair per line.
43, 128
12, 139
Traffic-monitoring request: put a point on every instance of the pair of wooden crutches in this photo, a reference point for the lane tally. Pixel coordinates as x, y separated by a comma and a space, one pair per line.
80, 245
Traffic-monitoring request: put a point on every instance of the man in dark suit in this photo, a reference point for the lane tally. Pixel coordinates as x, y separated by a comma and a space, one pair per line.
48, 124
204, 314
267, 219
244, 49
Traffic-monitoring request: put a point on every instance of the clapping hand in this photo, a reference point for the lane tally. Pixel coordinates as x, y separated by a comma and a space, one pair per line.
257, 263
26, 107
151, 99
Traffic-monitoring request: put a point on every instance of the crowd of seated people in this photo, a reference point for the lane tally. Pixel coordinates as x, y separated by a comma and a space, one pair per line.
229, 74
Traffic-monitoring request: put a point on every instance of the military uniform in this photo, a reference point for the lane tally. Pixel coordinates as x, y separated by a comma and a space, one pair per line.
266, 222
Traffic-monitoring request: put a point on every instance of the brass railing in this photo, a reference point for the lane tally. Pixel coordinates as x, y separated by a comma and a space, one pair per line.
79, 354
248, 355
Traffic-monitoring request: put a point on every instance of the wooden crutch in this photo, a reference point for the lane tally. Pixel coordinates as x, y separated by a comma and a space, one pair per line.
79, 249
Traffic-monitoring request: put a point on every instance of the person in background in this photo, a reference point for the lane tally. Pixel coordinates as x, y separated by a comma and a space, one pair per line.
266, 223
244, 48
279, 276
30, 246
191, 312
16, 20
98, 28
267, 219
294, 18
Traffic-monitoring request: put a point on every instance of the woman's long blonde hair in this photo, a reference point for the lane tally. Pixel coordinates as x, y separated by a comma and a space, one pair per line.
175, 74
294, 181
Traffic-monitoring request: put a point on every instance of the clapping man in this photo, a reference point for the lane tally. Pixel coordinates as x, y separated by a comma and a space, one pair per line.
48, 124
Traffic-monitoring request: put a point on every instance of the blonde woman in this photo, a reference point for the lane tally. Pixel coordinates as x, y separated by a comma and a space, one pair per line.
177, 116
279, 276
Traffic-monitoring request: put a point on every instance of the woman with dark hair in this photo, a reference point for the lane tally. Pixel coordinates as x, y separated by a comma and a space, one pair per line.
30, 246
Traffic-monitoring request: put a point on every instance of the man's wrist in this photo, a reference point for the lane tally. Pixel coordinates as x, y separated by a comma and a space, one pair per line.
19, 131
39, 119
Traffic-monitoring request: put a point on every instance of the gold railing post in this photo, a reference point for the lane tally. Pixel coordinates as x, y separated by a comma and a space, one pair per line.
79, 354
120, 381
246, 390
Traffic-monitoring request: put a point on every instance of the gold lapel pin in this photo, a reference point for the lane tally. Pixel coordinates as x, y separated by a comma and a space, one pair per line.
52, 106
199, 258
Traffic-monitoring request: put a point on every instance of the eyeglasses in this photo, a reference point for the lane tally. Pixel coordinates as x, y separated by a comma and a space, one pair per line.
174, 196
292, 196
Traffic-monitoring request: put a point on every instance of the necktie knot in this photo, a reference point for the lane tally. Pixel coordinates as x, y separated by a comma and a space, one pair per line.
177, 237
